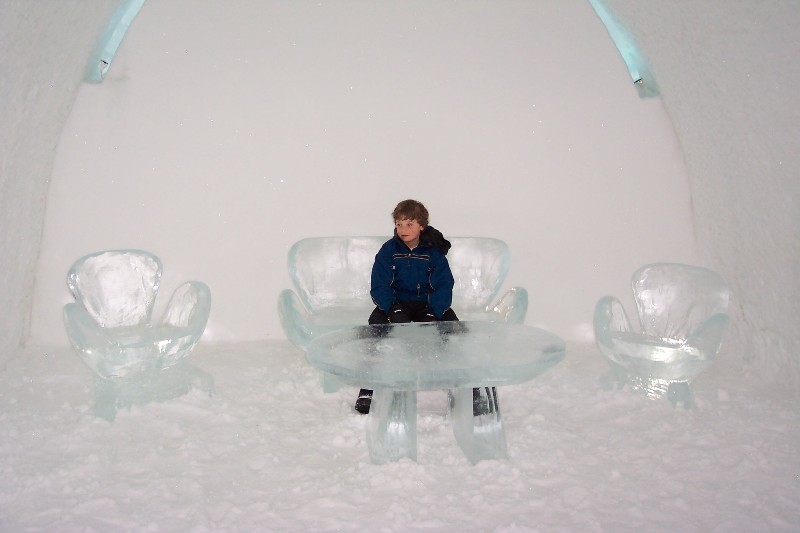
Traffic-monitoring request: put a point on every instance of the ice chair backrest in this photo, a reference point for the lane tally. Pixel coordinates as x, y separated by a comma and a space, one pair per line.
116, 287
479, 266
335, 271
673, 299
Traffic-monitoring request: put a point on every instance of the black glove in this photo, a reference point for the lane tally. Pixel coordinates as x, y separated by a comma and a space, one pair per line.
397, 315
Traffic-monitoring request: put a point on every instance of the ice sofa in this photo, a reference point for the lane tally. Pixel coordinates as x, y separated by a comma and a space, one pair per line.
331, 277
109, 325
682, 314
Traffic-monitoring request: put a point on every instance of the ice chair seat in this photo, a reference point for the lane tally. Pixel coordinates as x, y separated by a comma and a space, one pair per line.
110, 325
682, 313
331, 278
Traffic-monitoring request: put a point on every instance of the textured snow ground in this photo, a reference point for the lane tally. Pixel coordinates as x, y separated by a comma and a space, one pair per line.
270, 452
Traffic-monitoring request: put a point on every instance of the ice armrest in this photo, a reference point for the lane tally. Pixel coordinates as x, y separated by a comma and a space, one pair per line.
182, 325
294, 318
83, 332
189, 307
101, 349
610, 317
513, 306
707, 338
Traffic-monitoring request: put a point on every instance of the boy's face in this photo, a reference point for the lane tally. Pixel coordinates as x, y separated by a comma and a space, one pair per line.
408, 231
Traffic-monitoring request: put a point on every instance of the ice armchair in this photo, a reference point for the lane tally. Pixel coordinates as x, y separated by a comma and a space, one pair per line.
331, 278
110, 326
682, 314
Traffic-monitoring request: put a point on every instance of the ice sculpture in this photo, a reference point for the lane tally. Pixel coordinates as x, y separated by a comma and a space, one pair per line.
398, 360
331, 277
109, 325
682, 311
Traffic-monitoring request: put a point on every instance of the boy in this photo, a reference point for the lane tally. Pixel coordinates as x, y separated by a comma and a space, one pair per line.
411, 279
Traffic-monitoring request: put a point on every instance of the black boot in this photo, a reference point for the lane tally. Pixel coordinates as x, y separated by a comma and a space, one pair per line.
364, 401
484, 403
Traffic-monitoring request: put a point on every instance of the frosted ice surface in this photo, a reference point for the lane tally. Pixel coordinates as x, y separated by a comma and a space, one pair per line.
392, 426
397, 360
682, 313
116, 288
331, 278
112, 395
480, 436
110, 325
440, 355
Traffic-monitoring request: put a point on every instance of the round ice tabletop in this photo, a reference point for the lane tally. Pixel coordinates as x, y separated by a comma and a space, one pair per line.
441, 355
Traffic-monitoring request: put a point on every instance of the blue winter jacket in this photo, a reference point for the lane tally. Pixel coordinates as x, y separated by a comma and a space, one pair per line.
421, 274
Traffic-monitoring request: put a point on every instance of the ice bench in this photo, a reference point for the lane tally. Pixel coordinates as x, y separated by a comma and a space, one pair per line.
331, 277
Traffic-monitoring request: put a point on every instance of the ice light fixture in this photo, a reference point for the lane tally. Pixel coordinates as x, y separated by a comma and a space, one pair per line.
109, 41
637, 63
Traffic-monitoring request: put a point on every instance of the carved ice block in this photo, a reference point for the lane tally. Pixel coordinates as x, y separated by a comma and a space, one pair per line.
398, 360
682, 313
110, 326
113, 395
392, 431
331, 278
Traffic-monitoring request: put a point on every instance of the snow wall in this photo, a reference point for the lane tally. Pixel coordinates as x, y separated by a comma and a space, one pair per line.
222, 135
44, 49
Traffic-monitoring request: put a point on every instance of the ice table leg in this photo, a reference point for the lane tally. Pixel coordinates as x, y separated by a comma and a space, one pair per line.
330, 383
480, 437
392, 426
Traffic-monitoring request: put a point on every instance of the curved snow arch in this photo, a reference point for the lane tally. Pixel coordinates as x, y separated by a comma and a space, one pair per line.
109, 41
638, 65
410, 97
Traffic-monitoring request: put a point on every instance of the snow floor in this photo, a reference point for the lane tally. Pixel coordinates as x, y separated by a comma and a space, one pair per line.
269, 451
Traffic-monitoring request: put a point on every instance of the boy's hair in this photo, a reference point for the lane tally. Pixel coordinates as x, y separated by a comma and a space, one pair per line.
411, 210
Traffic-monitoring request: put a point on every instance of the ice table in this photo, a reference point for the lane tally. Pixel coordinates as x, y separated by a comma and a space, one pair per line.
400, 359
